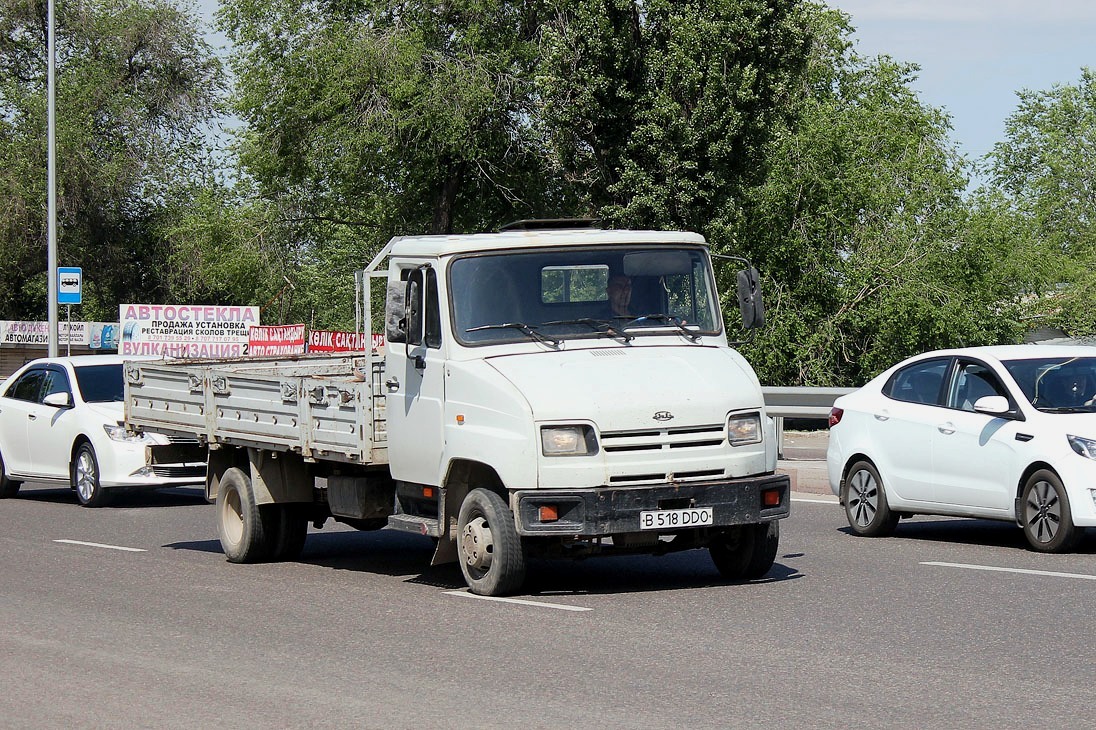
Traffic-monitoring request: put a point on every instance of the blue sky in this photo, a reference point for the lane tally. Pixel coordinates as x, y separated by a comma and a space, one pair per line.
974, 54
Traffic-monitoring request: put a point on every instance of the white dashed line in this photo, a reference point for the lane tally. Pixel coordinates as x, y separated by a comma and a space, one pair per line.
1049, 573
101, 545
832, 500
519, 601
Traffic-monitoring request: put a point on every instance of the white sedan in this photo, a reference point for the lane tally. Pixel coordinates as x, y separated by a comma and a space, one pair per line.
1002, 433
61, 421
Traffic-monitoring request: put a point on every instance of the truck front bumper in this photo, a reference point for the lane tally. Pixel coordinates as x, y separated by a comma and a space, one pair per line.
606, 511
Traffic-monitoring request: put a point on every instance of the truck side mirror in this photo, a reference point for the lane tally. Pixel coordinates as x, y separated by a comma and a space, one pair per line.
749, 298
395, 318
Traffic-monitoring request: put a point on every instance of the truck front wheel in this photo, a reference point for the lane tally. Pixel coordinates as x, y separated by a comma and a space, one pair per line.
489, 547
247, 532
747, 552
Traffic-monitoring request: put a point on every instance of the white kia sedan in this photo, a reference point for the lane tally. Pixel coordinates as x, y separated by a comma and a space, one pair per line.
61, 421
1002, 433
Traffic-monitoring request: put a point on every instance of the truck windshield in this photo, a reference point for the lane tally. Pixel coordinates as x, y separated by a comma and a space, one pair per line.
618, 292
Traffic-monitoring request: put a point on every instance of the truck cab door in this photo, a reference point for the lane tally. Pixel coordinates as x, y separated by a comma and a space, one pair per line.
415, 381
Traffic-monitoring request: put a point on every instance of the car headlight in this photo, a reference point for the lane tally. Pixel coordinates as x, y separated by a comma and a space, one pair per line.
742, 430
1084, 447
123, 434
568, 440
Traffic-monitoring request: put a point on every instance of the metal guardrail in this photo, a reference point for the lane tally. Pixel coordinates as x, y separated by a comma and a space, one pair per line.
789, 402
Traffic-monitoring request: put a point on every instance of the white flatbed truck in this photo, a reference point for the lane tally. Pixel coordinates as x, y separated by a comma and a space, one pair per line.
511, 413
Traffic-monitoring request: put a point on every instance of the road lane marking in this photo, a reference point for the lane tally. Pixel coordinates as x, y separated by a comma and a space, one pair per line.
1050, 573
832, 500
519, 601
101, 545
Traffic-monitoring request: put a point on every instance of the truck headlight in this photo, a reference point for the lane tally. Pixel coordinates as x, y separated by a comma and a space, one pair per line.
742, 430
567, 440
121, 433
1084, 447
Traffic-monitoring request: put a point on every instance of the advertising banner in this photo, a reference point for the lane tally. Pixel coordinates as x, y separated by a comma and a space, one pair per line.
179, 330
334, 341
270, 341
37, 333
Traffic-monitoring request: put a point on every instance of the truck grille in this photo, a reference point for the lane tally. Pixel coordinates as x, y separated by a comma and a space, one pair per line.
685, 437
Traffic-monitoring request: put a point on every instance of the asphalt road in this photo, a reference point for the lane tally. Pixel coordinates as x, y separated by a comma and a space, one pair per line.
951, 623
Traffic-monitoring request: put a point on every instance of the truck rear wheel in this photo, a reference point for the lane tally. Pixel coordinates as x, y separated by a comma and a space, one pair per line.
488, 545
292, 529
247, 532
747, 552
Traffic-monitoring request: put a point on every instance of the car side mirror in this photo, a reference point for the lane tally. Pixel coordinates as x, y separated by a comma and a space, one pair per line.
992, 405
58, 400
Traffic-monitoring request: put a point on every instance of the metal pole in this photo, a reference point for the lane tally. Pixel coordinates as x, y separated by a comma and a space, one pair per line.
52, 184
68, 334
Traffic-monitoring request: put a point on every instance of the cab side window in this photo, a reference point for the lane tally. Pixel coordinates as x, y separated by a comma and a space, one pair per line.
28, 387
973, 381
918, 383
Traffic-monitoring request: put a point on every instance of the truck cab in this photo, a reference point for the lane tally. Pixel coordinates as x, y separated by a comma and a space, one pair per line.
569, 392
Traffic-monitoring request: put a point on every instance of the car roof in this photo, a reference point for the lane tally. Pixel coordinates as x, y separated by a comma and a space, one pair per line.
1016, 352
82, 360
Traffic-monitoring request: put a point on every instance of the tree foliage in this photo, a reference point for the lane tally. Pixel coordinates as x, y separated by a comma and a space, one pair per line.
870, 247
134, 84
1047, 167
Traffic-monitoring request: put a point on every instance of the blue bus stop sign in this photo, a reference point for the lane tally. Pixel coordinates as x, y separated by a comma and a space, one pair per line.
70, 282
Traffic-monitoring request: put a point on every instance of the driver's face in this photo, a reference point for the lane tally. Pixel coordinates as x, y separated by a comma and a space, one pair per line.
620, 294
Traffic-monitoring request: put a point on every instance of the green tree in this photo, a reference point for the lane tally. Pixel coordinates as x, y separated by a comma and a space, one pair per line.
870, 247
135, 86
1047, 167
658, 113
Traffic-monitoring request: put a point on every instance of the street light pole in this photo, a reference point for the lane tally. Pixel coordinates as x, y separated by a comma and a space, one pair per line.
52, 184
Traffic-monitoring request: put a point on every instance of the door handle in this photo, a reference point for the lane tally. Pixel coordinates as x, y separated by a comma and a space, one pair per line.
882, 416
32, 417
946, 428
393, 384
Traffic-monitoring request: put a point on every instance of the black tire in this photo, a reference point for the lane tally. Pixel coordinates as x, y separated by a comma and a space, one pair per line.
747, 552
84, 477
488, 545
8, 487
247, 532
1045, 515
865, 502
291, 531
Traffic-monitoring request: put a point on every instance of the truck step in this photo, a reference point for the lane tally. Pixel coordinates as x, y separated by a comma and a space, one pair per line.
413, 523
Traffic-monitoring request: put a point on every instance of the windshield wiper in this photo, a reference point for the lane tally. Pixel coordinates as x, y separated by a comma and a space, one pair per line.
669, 318
1068, 409
598, 325
522, 327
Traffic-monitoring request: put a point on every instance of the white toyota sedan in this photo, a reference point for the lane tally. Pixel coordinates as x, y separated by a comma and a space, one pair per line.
1002, 433
61, 421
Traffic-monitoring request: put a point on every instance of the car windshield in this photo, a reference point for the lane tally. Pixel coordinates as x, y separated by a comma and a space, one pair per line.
100, 383
617, 292
1057, 384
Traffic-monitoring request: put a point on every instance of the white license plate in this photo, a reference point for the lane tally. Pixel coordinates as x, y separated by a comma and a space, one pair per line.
670, 519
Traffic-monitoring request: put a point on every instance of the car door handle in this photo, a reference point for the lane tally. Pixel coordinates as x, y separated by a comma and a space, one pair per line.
882, 416
32, 417
946, 428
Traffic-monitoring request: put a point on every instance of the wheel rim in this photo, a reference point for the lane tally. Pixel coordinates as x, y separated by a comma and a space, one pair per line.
86, 476
863, 500
1043, 511
232, 517
477, 546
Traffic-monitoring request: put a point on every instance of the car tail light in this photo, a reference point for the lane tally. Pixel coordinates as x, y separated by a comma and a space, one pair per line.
835, 416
